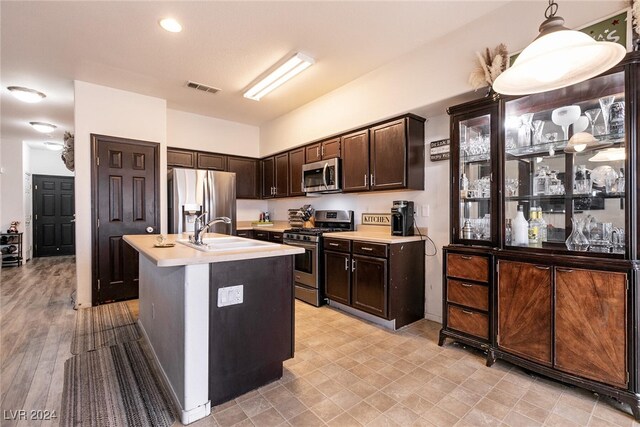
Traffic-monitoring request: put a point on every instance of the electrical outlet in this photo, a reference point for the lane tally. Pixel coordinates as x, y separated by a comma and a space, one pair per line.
231, 295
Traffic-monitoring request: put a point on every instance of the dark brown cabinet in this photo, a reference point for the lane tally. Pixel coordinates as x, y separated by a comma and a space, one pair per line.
384, 280
247, 176
355, 161
597, 299
247, 234
324, 150
388, 156
268, 236
524, 310
181, 158
211, 161
268, 172
281, 175
296, 160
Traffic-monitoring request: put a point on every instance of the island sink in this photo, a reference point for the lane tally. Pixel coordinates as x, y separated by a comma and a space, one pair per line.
220, 244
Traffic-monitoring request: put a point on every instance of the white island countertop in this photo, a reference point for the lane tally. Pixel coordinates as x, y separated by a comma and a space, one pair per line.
184, 255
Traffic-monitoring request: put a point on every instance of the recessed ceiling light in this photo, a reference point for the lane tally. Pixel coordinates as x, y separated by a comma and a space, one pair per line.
171, 25
43, 127
295, 65
53, 146
26, 95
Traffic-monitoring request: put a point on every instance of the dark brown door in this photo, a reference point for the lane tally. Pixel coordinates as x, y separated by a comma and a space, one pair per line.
388, 156
369, 282
246, 170
282, 175
337, 273
590, 324
524, 310
53, 215
211, 161
355, 161
181, 158
268, 173
313, 153
331, 149
296, 160
125, 201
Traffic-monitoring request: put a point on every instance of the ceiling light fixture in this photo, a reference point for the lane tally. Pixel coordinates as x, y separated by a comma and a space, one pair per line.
295, 65
53, 146
557, 58
43, 127
170, 25
25, 94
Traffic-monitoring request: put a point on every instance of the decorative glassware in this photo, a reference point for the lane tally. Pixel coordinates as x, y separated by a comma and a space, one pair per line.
581, 124
577, 241
556, 187
605, 105
565, 117
593, 115
582, 182
538, 125
616, 118
511, 187
524, 131
541, 181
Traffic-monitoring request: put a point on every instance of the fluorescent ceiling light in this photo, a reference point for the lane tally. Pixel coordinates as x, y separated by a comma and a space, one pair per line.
557, 58
170, 25
53, 146
25, 94
43, 127
295, 65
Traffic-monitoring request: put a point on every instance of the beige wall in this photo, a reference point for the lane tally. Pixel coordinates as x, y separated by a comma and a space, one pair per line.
107, 111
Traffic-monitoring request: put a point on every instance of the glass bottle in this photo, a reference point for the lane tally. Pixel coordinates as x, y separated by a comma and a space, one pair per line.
542, 226
533, 227
519, 228
507, 232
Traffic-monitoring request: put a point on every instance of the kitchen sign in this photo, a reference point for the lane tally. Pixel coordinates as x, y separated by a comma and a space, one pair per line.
440, 150
376, 219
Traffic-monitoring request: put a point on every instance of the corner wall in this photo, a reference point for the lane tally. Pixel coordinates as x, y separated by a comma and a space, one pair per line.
107, 111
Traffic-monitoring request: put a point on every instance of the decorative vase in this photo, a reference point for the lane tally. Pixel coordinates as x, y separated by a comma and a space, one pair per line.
577, 241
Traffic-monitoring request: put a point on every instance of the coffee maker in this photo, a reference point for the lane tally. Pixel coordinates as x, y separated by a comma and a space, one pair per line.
402, 218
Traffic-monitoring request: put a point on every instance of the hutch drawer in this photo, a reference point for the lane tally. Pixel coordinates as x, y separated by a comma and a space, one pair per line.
470, 267
468, 294
468, 321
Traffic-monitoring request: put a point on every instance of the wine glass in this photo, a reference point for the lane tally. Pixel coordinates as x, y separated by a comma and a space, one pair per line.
565, 117
605, 105
581, 124
538, 125
524, 132
593, 115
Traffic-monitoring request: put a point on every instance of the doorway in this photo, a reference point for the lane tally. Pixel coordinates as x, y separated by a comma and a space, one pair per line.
53, 216
125, 200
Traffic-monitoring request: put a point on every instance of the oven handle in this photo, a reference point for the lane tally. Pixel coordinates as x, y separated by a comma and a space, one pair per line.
324, 175
296, 243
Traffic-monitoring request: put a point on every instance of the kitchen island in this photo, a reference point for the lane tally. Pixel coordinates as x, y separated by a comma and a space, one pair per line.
219, 322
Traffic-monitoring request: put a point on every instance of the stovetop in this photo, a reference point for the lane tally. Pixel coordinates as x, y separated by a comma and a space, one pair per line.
326, 221
316, 231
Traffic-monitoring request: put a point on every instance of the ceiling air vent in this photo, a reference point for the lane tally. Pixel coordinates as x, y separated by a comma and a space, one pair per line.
204, 88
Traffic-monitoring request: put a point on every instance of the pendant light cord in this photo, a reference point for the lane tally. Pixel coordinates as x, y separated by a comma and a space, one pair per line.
551, 10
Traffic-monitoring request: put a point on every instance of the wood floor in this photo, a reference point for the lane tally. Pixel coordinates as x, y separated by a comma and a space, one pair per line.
36, 324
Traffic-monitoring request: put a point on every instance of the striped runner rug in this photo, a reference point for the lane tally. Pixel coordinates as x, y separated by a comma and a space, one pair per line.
115, 386
103, 326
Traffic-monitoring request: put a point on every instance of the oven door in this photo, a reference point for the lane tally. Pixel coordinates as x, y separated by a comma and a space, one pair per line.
306, 264
321, 176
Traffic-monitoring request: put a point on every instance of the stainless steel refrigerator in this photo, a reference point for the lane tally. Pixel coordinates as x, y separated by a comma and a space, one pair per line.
194, 191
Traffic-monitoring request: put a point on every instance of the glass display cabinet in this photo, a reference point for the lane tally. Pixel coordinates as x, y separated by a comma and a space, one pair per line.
543, 268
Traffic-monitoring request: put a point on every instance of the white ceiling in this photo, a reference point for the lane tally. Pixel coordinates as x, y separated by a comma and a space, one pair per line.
47, 45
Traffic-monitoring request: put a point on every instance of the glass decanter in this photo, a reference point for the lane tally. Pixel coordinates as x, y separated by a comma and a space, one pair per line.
541, 181
577, 241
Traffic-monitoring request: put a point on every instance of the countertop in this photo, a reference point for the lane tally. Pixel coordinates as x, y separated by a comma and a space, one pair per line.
374, 236
278, 226
184, 255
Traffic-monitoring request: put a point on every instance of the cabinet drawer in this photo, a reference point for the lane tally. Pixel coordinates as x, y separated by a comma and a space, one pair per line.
468, 321
275, 236
337, 245
261, 235
469, 294
247, 234
470, 267
371, 249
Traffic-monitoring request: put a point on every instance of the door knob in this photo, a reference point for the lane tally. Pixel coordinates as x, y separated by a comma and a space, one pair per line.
149, 230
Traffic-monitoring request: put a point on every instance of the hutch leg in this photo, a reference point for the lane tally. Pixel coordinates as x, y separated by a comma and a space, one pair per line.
441, 339
491, 357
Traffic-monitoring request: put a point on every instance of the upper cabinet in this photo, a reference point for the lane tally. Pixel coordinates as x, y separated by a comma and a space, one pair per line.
211, 161
181, 158
324, 150
388, 156
247, 176
296, 160
281, 180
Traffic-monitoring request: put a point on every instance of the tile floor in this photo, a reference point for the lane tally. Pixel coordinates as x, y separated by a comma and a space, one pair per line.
347, 372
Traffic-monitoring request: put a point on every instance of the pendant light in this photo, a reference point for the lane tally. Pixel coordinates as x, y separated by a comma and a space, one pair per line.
583, 142
557, 58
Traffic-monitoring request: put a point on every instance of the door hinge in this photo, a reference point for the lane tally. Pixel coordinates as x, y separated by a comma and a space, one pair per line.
98, 284
98, 223
627, 286
97, 161
37, 219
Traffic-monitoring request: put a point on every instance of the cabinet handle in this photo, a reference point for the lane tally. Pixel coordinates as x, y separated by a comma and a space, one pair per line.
323, 151
468, 312
333, 244
353, 265
467, 285
540, 267
373, 180
366, 249
365, 180
346, 264
564, 270
465, 257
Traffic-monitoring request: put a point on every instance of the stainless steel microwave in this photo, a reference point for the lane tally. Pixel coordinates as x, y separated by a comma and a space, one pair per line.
322, 177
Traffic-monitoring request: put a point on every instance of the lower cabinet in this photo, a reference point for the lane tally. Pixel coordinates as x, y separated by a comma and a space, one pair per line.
524, 310
247, 234
386, 281
268, 236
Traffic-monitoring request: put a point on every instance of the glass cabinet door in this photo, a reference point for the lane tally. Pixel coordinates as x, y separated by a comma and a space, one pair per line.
564, 171
475, 187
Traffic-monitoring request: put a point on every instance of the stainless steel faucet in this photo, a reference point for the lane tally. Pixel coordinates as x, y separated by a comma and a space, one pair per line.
199, 229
